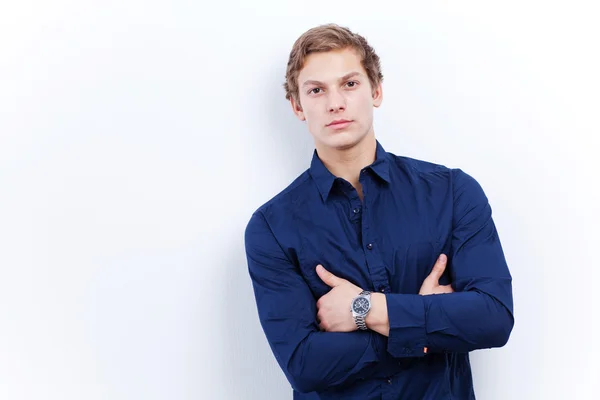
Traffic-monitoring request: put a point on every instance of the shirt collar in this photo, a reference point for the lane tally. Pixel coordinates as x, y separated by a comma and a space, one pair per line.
324, 178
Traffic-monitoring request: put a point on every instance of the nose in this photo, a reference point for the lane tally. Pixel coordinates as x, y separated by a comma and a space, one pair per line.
336, 102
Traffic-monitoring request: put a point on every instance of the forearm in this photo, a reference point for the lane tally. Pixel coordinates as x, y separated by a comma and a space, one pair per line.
377, 319
455, 322
326, 359
311, 360
466, 321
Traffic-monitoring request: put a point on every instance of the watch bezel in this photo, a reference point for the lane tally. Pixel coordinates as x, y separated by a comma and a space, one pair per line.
354, 302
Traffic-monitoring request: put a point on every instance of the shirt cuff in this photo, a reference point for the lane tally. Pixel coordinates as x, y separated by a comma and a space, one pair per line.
408, 332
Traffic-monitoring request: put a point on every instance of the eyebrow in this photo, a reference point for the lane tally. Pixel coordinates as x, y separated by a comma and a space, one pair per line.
343, 78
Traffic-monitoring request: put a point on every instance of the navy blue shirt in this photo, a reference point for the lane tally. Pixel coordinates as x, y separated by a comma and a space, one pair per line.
411, 212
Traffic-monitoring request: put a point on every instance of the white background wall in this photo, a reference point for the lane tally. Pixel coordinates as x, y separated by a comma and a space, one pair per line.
137, 137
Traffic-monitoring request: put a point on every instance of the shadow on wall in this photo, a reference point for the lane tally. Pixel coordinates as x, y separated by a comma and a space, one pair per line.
251, 366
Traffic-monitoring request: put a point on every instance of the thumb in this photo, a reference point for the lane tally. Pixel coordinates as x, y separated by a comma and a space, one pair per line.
438, 269
330, 279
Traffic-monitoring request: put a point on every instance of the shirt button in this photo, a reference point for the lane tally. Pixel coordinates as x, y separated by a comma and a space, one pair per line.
382, 289
370, 246
356, 210
389, 381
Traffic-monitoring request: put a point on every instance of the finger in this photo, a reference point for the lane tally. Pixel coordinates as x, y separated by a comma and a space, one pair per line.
438, 269
322, 326
330, 279
445, 289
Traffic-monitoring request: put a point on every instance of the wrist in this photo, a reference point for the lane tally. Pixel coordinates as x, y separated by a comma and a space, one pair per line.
377, 316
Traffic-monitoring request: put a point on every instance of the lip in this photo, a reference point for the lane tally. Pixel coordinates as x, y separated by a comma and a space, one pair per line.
339, 124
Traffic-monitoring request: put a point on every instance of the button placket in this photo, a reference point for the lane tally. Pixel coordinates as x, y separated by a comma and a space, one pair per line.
354, 201
372, 255
355, 209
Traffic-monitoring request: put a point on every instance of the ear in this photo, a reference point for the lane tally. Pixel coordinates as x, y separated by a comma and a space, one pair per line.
297, 109
378, 95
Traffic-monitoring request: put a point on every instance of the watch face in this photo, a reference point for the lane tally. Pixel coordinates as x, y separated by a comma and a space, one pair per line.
360, 305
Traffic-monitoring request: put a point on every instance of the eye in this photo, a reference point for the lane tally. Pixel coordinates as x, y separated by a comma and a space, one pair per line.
312, 91
352, 83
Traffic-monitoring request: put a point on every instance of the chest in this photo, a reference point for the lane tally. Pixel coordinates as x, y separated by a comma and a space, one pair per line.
389, 244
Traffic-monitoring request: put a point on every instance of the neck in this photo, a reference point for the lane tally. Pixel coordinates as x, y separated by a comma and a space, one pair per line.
348, 162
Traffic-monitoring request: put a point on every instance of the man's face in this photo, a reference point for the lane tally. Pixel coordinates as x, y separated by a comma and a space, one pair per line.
334, 86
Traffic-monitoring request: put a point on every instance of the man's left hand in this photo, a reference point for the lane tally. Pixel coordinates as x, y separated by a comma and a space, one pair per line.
334, 308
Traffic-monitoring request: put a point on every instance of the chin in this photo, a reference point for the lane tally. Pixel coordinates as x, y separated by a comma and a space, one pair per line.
341, 140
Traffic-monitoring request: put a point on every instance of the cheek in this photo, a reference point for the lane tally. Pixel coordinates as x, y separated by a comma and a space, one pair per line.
364, 110
362, 103
314, 120
313, 124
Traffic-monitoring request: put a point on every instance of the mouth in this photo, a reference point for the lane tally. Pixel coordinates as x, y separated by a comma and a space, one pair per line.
339, 124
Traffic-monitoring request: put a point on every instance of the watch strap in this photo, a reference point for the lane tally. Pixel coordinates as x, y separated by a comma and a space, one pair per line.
360, 322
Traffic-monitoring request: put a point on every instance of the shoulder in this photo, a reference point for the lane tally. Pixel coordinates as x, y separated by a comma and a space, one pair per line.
421, 171
418, 166
454, 178
283, 203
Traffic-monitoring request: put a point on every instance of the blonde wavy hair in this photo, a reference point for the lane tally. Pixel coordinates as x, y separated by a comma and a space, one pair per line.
325, 38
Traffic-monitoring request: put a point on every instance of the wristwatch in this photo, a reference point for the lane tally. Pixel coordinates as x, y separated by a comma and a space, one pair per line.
360, 307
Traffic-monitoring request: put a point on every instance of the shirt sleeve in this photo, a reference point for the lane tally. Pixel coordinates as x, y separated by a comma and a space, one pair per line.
311, 360
479, 314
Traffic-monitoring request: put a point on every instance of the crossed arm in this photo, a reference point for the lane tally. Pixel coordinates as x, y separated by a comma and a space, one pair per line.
316, 355
333, 315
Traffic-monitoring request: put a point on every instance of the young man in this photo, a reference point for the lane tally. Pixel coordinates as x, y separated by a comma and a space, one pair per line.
374, 274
